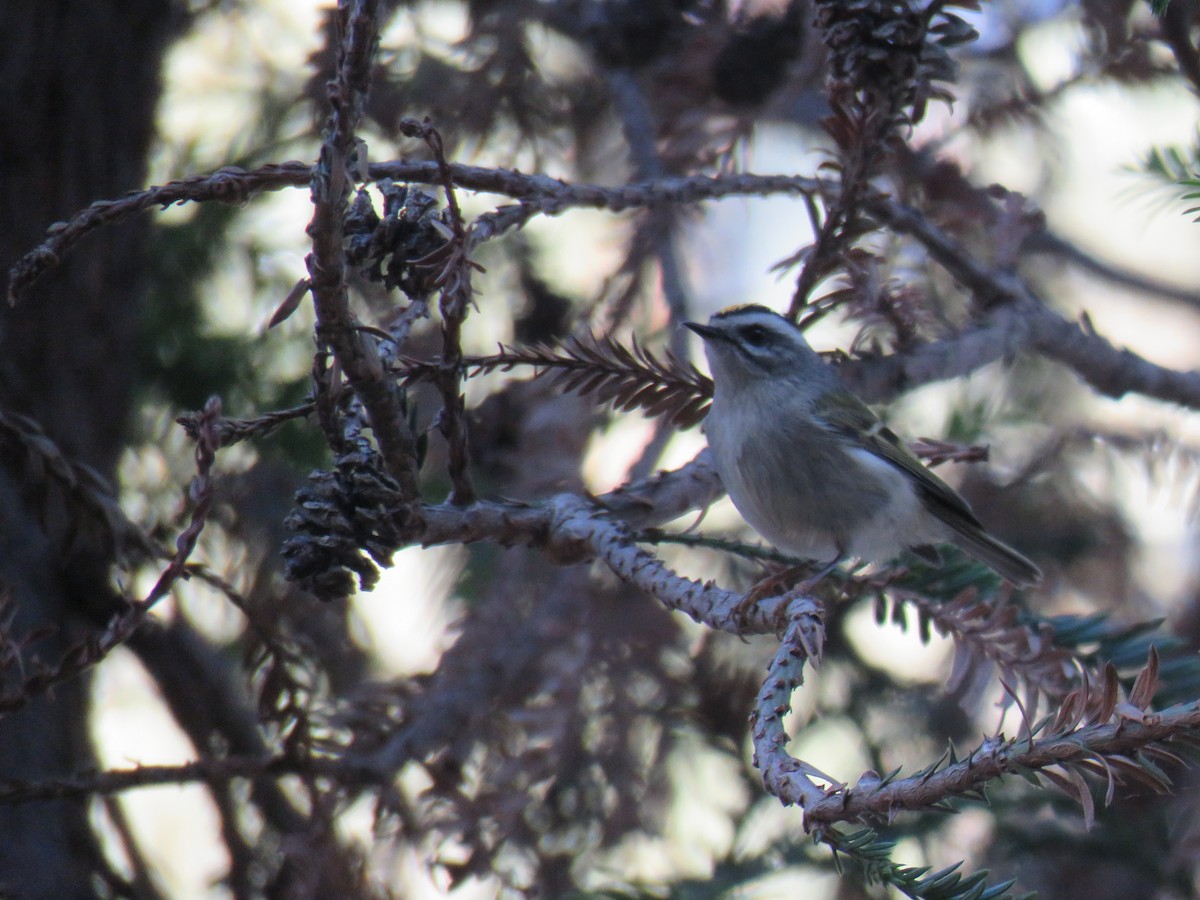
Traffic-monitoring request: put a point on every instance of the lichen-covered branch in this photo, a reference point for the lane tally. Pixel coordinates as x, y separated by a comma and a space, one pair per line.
788, 778
331, 187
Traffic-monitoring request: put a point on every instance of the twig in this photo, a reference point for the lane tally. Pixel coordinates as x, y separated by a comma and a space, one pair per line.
637, 122
539, 195
638, 125
1055, 245
331, 187
208, 770
1018, 321
200, 492
84, 655
627, 377
232, 431
1024, 322
455, 285
788, 778
1176, 26
996, 757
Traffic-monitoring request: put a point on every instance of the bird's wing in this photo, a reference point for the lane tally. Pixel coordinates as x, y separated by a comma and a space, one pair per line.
851, 418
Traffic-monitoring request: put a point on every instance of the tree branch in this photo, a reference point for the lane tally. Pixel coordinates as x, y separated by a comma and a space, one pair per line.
331, 185
996, 757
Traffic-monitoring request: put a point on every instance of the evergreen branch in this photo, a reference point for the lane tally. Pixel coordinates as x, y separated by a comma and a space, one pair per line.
232, 431
873, 855
585, 529
1097, 638
630, 379
89, 652
627, 377
868, 852
454, 283
964, 600
1047, 656
1024, 322
991, 629
536, 193
1095, 733
1019, 320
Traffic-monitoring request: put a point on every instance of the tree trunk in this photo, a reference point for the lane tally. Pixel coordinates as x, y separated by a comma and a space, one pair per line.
79, 82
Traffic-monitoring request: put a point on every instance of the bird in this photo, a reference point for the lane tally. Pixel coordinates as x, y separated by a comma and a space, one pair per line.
813, 470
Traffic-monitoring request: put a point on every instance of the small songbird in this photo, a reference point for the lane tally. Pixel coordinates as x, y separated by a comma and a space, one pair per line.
812, 469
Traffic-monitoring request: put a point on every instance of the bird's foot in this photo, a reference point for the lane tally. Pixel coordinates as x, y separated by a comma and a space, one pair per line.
772, 585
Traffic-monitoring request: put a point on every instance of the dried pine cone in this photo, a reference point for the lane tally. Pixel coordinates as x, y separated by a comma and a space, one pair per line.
342, 514
892, 53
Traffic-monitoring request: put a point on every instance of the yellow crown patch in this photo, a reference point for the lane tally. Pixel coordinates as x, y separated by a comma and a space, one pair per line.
742, 307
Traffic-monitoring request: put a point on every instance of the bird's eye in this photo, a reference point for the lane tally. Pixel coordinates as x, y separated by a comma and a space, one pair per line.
755, 335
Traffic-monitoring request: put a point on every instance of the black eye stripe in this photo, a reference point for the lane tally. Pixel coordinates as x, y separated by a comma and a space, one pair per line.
760, 339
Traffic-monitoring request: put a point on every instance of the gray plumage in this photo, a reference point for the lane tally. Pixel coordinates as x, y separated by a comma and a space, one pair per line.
812, 469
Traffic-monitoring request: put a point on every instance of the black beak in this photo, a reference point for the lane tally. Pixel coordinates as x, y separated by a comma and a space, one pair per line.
705, 331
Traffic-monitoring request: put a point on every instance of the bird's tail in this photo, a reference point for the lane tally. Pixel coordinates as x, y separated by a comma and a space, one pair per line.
1004, 559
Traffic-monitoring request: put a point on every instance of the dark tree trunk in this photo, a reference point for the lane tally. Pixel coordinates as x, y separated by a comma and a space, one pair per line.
79, 83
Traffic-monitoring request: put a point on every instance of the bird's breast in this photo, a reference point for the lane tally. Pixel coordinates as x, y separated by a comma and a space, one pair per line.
809, 491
